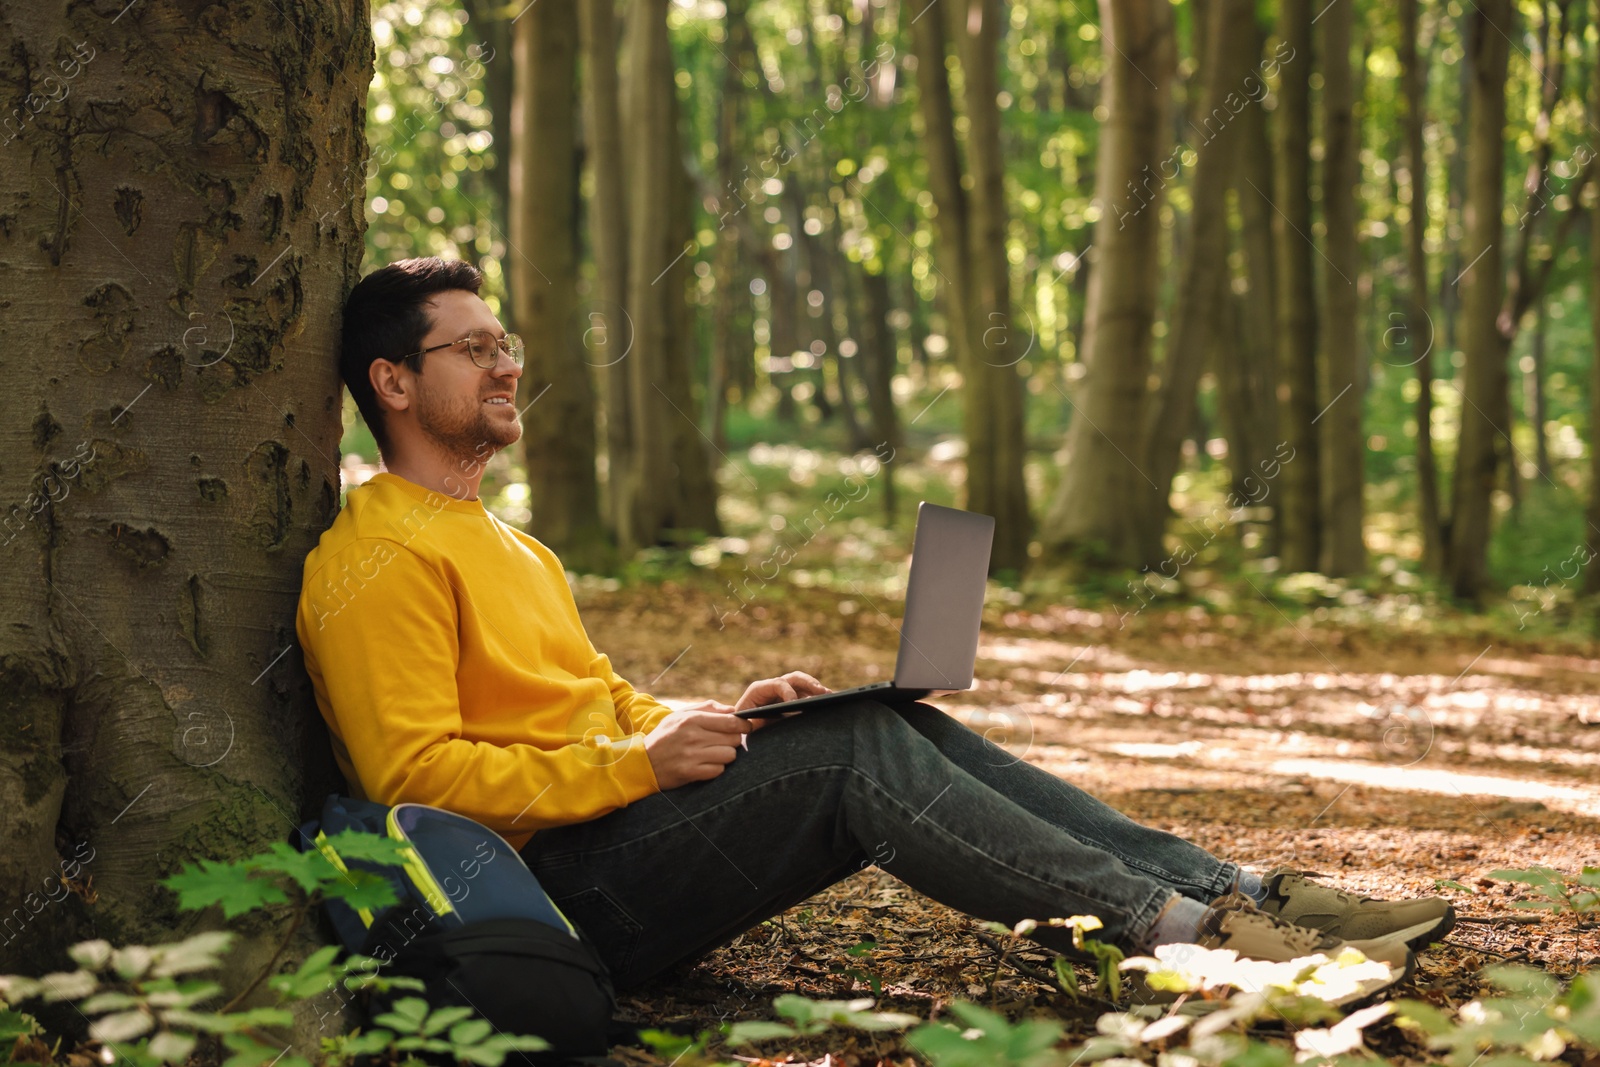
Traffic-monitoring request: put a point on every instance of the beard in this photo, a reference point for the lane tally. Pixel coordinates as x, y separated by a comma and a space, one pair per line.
461, 427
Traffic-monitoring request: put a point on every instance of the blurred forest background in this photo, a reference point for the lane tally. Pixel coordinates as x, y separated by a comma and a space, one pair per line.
1208, 299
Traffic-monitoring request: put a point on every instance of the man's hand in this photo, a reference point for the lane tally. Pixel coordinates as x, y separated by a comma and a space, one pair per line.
792, 686
694, 744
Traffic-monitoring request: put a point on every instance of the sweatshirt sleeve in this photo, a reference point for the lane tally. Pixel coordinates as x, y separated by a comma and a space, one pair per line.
637, 711
388, 660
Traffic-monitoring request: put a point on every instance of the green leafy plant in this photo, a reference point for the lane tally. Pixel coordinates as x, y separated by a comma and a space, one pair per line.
1536, 1022
147, 1004
814, 1016
862, 950
144, 1002
412, 1027
987, 1040
1107, 957
19, 1035
264, 879
1563, 892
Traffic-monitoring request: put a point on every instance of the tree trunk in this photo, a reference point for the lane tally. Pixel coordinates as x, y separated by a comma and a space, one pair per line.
1456, 168
1591, 535
935, 105
783, 327
646, 98
1538, 407
670, 476
1095, 508
842, 314
1341, 446
1299, 507
1419, 332
608, 330
1478, 452
993, 392
916, 322
694, 483
1239, 404
1203, 292
184, 220
973, 266
729, 336
876, 357
1197, 83
1256, 355
555, 392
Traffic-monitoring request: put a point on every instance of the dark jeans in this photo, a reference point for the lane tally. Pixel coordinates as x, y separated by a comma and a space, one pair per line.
821, 795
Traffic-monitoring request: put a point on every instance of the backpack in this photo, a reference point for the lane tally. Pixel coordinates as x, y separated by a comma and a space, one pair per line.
472, 923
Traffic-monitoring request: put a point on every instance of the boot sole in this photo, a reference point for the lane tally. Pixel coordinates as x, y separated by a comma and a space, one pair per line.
1362, 1000
1422, 935
1140, 996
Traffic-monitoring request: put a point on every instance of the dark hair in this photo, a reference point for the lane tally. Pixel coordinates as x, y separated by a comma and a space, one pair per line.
384, 318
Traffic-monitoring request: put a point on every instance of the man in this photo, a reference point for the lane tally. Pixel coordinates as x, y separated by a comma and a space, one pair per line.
452, 669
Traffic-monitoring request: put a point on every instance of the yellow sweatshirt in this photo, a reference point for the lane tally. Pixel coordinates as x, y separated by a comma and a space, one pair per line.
452, 668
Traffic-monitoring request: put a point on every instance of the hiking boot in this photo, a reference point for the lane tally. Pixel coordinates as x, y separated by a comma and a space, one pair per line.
1234, 922
1234, 926
1296, 899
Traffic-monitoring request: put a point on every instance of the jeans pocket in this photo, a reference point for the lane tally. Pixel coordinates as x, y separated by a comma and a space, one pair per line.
603, 921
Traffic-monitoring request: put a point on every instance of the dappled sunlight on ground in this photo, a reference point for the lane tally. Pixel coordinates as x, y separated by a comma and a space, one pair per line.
1392, 764
1560, 797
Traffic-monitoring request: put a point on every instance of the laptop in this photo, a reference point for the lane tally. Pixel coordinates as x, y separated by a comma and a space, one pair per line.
944, 611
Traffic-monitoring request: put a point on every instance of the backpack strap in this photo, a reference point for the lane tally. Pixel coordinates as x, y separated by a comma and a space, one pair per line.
476, 869
456, 871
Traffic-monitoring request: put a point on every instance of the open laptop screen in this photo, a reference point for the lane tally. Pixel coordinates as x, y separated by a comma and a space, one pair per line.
944, 599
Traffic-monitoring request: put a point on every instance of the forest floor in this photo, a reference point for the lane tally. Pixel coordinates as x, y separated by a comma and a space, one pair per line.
1389, 760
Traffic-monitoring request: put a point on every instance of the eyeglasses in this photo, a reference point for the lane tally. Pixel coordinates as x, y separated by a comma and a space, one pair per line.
484, 348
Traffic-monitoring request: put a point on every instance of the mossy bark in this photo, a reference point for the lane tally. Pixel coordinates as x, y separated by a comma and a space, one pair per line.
180, 219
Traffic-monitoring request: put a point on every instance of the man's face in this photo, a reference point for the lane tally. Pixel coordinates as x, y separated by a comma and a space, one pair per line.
460, 405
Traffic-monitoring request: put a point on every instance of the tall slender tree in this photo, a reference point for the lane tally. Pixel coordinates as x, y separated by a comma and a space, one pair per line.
1479, 451
1202, 300
608, 329
1096, 508
1535, 395
1591, 533
1247, 371
972, 229
877, 356
1341, 446
555, 393
730, 334
1298, 489
671, 489
1419, 335
994, 382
